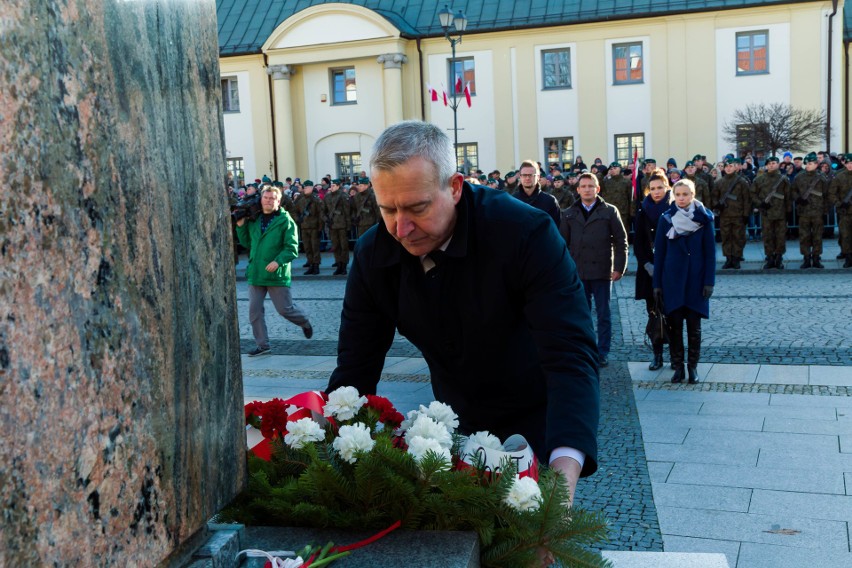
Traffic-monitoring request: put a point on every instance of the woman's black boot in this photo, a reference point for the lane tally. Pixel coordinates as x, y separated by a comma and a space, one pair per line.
693, 375
679, 374
657, 363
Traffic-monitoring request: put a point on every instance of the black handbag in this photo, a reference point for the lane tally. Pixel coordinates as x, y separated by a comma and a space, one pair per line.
657, 330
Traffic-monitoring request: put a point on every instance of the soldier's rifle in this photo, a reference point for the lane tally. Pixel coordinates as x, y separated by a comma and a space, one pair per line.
773, 192
810, 190
729, 194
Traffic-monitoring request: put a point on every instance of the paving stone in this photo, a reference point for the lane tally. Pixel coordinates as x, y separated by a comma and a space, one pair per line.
783, 530
801, 426
704, 422
806, 504
659, 471
702, 497
729, 548
781, 459
727, 373
782, 374
825, 375
818, 480
753, 555
733, 407
679, 453
623, 559
760, 440
655, 407
663, 433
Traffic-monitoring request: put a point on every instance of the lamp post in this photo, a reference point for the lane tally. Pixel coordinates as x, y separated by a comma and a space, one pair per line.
459, 22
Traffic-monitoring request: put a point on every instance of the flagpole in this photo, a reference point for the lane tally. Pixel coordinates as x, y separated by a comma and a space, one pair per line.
459, 21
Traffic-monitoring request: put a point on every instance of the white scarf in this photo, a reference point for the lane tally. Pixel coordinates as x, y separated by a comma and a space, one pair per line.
682, 223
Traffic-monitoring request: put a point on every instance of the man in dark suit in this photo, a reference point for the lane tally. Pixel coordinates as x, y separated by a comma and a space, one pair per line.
485, 288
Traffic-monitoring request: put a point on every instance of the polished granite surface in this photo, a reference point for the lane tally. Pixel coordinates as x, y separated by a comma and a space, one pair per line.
120, 384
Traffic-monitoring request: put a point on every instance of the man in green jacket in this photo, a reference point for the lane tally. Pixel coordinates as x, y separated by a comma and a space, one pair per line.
272, 243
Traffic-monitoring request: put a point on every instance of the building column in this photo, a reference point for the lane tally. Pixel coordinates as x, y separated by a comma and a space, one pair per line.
285, 152
393, 85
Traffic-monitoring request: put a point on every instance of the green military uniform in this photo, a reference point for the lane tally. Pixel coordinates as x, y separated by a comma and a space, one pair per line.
810, 191
731, 198
841, 198
617, 190
772, 196
309, 218
563, 194
337, 213
364, 208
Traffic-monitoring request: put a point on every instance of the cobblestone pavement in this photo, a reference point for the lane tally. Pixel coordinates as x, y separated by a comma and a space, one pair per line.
790, 318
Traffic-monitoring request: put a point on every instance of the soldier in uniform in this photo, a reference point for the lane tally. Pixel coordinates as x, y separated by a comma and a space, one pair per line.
511, 182
699, 160
364, 208
335, 210
702, 188
732, 200
562, 192
810, 191
648, 168
841, 198
309, 219
772, 197
616, 190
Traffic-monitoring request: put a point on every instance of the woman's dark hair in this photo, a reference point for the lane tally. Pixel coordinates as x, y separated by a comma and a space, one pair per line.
657, 174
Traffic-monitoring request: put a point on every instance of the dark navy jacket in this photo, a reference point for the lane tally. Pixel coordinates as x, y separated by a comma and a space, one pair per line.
502, 323
541, 200
684, 265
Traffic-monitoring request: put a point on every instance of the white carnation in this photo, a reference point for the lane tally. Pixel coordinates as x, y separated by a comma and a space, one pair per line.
442, 413
487, 440
303, 431
418, 446
344, 403
409, 419
525, 494
426, 427
352, 439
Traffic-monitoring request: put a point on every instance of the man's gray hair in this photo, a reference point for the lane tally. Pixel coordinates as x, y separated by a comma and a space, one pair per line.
413, 138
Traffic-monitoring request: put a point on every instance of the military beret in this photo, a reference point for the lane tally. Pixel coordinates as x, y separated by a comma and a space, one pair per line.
650, 161
363, 180
697, 157
482, 178
772, 159
335, 181
797, 158
810, 158
689, 163
615, 165
277, 183
847, 157
307, 183
509, 174
558, 177
731, 161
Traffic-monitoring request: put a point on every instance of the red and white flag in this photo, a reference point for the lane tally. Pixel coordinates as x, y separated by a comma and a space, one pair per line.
635, 174
444, 92
467, 94
458, 85
433, 93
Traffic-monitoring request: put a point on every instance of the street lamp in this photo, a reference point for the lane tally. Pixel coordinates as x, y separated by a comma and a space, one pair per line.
459, 22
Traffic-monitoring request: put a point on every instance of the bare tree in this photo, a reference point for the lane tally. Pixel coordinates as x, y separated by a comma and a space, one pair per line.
776, 125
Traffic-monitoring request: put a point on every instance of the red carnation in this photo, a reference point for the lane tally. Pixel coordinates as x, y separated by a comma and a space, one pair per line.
274, 419
388, 415
254, 408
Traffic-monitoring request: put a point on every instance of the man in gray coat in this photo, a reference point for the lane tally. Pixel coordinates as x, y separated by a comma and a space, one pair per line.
596, 238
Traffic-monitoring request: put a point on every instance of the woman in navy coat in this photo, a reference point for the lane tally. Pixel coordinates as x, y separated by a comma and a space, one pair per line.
684, 274
656, 202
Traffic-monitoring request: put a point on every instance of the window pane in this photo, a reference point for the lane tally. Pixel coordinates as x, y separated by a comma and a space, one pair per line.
463, 69
627, 63
556, 68
636, 63
343, 86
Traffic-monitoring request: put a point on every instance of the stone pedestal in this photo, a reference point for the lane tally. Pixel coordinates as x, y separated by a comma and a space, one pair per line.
120, 385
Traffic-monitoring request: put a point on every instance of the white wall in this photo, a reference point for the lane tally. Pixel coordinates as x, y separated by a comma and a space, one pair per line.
359, 122
239, 142
329, 28
628, 107
557, 109
477, 123
733, 92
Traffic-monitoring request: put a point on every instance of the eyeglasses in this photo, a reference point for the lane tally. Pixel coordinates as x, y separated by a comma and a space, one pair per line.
528, 175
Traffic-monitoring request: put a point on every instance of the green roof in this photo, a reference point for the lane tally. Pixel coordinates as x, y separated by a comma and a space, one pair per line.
244, 25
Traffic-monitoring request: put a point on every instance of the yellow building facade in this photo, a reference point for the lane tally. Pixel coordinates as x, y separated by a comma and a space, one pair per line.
328, 79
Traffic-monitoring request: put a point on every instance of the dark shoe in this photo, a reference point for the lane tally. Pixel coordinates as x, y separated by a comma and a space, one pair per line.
729, 263
310, 270
679, 375
779, 262
840, 257
740, 259
308, 331
657, 363
770, 263
693, 375
334, 265
603, 361
806, 262
736, 265
340, 270
848, 263
259, 351
816, 262
307, 264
